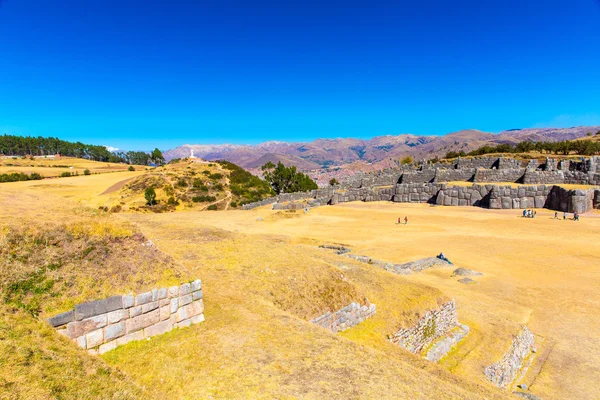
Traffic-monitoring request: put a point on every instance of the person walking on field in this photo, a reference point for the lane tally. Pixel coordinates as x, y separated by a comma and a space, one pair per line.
406, 220
555, 214
564, 216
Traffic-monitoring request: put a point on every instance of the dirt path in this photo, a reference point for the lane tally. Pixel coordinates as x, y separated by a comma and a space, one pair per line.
116, 186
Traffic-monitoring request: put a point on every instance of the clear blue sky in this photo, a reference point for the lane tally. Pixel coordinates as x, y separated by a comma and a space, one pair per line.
140, 74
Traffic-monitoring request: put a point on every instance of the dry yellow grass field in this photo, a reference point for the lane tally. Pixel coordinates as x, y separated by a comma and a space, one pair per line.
264, 279
50, 167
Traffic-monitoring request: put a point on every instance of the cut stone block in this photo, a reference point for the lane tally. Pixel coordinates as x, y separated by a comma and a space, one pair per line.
139, 335
62, 319
90, 309
143, 298
184, 289
94, 338
174, 291
79, 328
114, 331
158, 329
162, 293
197, 295
183, 300
142, 321
149, 307
107, 347
135, 311
117, 315
174, 305
128, 301
196, 285
165, 312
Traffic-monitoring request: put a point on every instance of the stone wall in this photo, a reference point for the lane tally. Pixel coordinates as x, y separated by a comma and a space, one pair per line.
432, 325
346, 317
522, 197
417, 192
505, 371
475, 195
449, 175
499, 175
401, 269
533, 177
424, 176
102, 325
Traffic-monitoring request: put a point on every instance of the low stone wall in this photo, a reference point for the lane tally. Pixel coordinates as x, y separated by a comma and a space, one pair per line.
433, 325
401, 269
533, 177
443, 345
449, 175
417, 192
522, 197
424, 176
102, 325
499, 175
347, 317
505, 371
474, 195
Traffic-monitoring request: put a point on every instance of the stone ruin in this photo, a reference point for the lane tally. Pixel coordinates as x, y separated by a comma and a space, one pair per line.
504, 372
102, 325
427, 184
346, 317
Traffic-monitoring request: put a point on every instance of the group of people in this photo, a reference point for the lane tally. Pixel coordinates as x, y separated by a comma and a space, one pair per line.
405, 220
575, 216
529, 213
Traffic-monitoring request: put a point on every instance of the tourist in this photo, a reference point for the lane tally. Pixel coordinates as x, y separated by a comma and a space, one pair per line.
524, 213
534, 213
575, 216
555, 214
564, 216
399, 220
406, 220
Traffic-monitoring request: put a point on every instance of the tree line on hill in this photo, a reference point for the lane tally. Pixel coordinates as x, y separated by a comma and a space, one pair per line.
287, 179
23, 146
566, 147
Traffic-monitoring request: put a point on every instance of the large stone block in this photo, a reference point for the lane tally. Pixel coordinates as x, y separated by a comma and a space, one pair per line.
94, 338
107, 347
62, 319
196, 285
184, 289
114, 303
162, 293
174, 291
165, 312
128, 300
197, 295
142, 321
190, 310
135, 311
174, 304
143, 298
153, 305
158, 329
117, 315
79, 328
183, 300
139, 335
114, 331
90, 309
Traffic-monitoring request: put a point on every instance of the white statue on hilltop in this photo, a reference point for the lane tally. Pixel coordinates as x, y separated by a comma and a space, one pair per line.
192, 156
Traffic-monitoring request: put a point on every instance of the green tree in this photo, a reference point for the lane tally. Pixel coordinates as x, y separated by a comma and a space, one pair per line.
150, 196
86, 172
157, 157
287, 179
333, 182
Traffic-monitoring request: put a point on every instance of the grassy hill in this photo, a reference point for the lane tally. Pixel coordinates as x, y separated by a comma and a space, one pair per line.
261, 290
54, 167
189, 185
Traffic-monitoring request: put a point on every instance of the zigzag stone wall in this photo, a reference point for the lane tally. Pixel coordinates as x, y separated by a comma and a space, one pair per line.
102, 325
346, 317
433, 325
505, 371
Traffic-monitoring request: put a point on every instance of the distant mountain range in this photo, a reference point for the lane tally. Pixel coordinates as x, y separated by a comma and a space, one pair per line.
322, 153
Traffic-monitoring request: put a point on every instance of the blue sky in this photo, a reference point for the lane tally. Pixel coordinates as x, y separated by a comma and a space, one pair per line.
140, 74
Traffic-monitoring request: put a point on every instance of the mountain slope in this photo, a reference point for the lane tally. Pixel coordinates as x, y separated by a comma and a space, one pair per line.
343, 151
